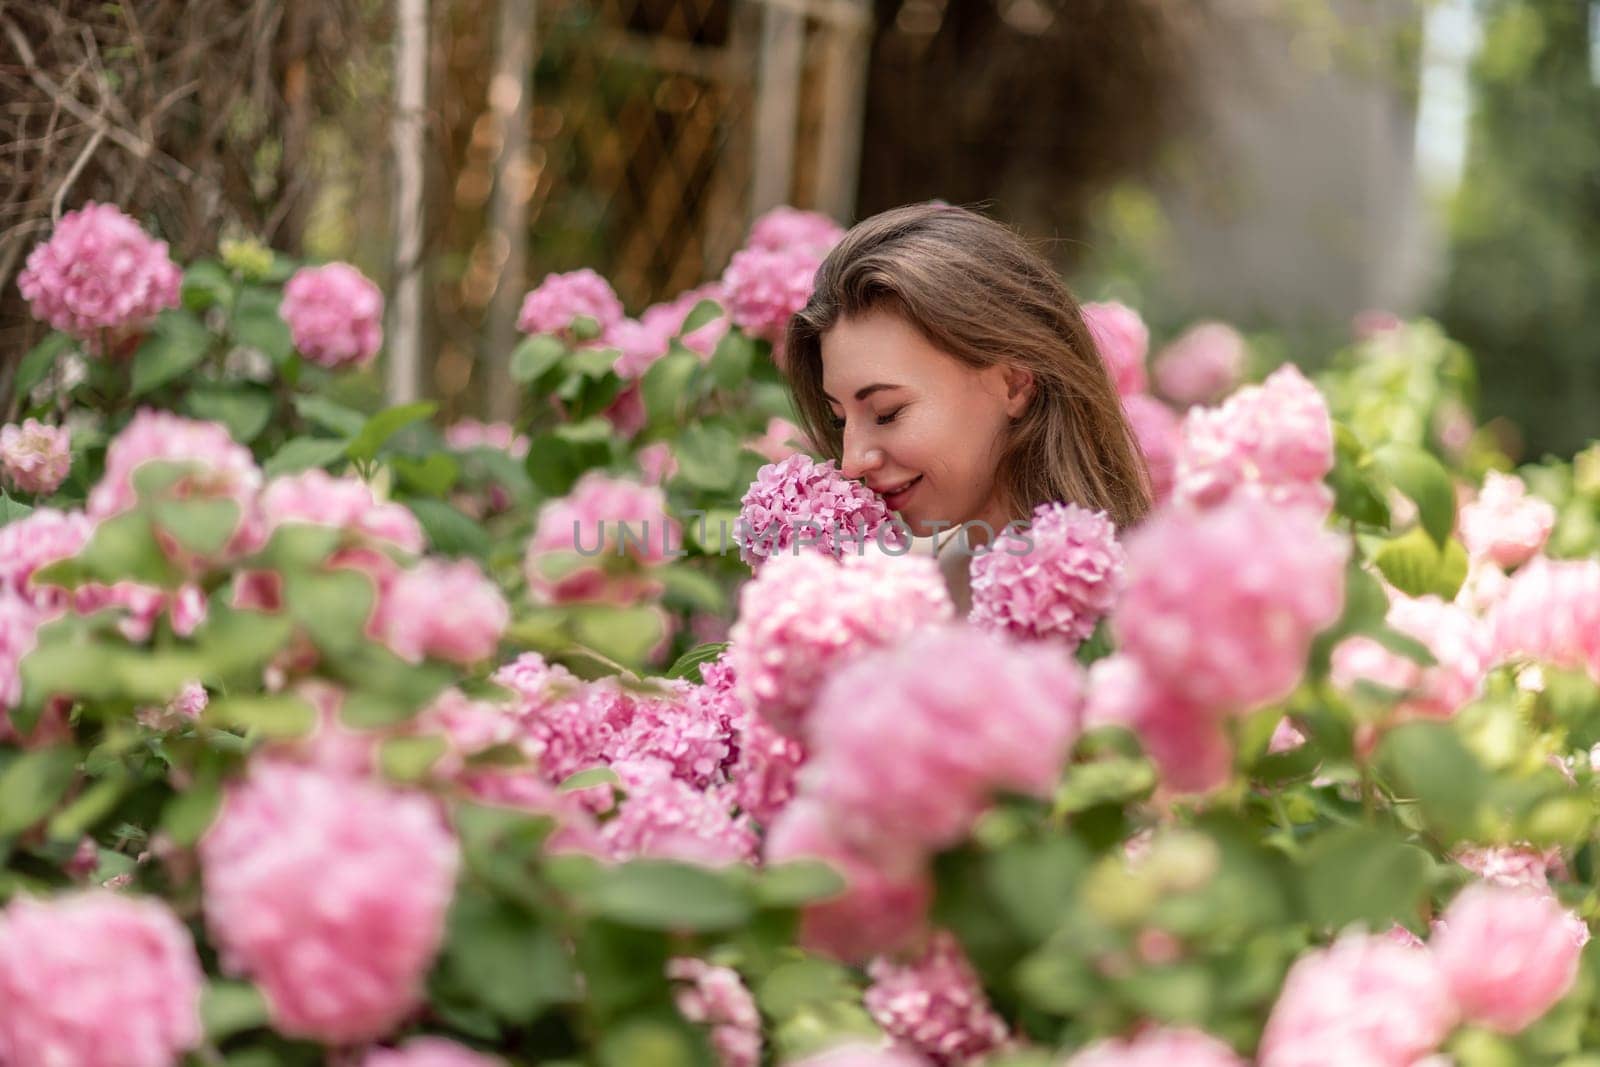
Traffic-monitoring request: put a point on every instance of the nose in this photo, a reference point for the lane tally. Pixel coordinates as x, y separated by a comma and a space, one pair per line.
858, 457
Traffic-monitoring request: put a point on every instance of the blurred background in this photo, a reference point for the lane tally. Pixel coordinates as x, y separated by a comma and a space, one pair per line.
1284, 165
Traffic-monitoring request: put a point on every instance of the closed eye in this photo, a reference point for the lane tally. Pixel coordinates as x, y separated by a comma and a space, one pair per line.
884, 420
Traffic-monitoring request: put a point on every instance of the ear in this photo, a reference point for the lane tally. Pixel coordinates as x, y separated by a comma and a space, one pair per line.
1019, 390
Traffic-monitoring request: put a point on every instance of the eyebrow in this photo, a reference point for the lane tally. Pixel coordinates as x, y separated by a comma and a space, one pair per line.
867, 390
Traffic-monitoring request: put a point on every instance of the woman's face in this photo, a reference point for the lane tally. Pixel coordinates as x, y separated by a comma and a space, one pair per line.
920, 428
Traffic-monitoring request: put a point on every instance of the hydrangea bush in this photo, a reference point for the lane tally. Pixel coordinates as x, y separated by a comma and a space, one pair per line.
331, 735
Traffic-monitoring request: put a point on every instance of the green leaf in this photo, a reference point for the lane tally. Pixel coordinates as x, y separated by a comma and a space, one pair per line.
89, 808
333, 606
690, 588
1357, 494
176, 343
303, 453
708, 457
256, 323
12, 510
298, 546
188, 814
450, 532
1035, 882
535, 357
665, 387
1422, 478
657, 1042
202, 526
244, 410
384, 425
409, 759
504, 957
1115, 780
688, 664
274, 715
556, 459
205, 284
1413, 564
790, 885
433, 475
702, 314
1427, 761
123, 547
32, 784
586, 779
626, 634
1361, 874
383, 688
228, 1008
658, 895
730, 363
330, 415
36, 364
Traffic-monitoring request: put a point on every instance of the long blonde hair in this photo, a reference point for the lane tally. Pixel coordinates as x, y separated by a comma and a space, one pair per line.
977, 291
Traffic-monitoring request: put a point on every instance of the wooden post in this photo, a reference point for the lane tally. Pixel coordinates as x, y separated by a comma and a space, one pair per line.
509, 89
404, 378
777, 106
846, 52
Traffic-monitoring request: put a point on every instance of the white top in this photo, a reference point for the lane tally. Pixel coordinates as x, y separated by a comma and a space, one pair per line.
951, 549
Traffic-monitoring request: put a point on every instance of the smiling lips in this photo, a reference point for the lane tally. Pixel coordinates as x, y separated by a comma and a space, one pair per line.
895, 496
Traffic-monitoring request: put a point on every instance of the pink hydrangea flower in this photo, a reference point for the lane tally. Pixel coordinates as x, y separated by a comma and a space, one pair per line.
335, 315
1274, 439
1457, 639
1185, 741
35, 458
330, 892
181, 710
781, 440
639, 345
1221, 606
657, 464
561, 298
1550, 611
1159, 434
800, 503
220, 468
43, 537
429, 1052
466, 434
884, 761
1202, 365
99, 274
444, 610
934, 1005
604, 520
1378, 1003
860, 1055
784, 227
1123, 340
765, 287
1159, 1046
96, 979
1505, 525
1508, 955
717, 997
884, 905
19, 632
803, 616
764, 776
1512, 866
666, 321
315, 496
1058, 579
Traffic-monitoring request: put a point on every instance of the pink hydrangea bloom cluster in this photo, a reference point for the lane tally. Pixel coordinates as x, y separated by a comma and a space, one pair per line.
1221, 605
1505, 525
1159, 1047
1058, 581
1202, 365
761, 763
859, 1055
786, 227
602, 537
35, 458
1159, 434
781, 440
1274, 439
885, 902
657, 464
220, 468
800, 503
1458, 640
19, 632
99, 274
1507, 954
717, 997
934, 1005
665, 817
95, 979
561, 298
465, 434
444, 610
803, 616
1123, 340
766, 286
1377, 1002
335, 315
660, 323
883, 761
429, 1052
43, 537
1514, 866
181, 710
1550, 611
349, 504
1186, 741
330, 893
